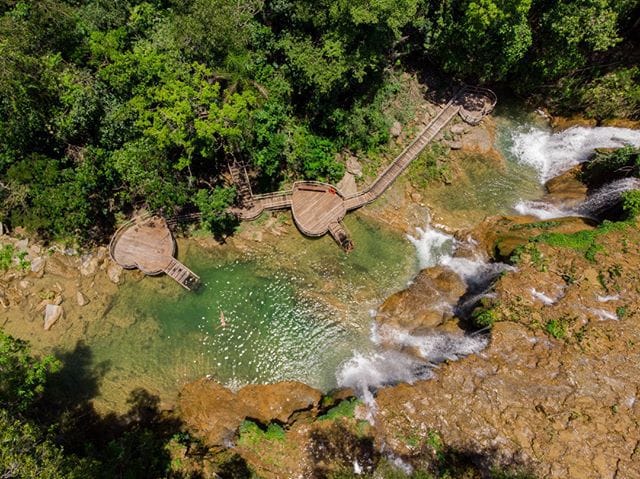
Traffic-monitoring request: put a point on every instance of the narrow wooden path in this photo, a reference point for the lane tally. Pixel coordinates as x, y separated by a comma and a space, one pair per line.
318, 208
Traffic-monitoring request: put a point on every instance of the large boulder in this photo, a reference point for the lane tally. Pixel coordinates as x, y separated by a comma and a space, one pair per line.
215, 412
281, 402
409, 310
212, 410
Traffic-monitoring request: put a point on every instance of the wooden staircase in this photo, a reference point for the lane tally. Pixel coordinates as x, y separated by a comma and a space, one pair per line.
241, 180
183, 275
340, 234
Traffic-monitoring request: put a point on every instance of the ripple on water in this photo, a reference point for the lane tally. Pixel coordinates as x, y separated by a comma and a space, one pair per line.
293, 314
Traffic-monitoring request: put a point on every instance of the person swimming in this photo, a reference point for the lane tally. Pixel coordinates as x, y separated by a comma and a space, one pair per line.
223, 322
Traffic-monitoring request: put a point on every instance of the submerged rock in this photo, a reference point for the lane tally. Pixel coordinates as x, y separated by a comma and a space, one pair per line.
52, 313
114, 271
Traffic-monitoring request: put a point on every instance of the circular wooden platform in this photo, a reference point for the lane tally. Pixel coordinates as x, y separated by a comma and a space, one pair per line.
315, 206
147, 245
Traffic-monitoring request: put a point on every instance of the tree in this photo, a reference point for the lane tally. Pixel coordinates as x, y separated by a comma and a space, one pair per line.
482, 40
22, 377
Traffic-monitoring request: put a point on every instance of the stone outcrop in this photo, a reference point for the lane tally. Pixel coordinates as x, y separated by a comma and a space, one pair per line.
215, 412
426, 303
557, 390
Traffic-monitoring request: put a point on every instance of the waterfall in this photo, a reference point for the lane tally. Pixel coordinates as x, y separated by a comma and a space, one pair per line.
365, 373
437, 248
554, 153
595, 204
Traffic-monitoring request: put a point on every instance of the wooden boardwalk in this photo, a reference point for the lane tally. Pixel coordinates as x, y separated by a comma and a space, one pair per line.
148, 245
318, 208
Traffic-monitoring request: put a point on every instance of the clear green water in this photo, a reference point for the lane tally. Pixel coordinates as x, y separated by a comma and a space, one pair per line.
294, 309
486, 187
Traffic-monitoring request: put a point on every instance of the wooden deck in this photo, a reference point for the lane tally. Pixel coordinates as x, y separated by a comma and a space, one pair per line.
315, 206
148, 245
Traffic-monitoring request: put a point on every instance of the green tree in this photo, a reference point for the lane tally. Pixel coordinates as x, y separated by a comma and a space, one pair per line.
480, 39
22, 377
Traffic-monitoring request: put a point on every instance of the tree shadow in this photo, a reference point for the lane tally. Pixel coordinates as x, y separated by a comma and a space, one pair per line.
336, 449
135, 444
339, 452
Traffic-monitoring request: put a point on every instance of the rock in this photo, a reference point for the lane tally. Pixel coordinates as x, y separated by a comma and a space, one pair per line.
89, 265
35, 250
416, 197
81, 299
408, 308
38, 265
279, 402
62, 266
458, 129
52, 313
396, 129
215, 412
211, 410
354, 167
22, 245
454, 144
347, 184
114, 271
566, 188
24, 284
478, 140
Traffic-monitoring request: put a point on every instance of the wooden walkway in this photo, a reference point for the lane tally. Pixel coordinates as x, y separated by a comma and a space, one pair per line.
318, 208
148, 245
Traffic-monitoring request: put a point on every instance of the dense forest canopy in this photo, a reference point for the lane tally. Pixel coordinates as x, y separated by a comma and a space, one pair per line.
108, 105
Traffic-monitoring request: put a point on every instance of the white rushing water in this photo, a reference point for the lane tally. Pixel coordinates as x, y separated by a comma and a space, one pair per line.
595, 204
366, 372
554, 153
437, 248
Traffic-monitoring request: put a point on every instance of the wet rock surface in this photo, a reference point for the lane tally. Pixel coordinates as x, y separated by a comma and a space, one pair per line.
556, 392
216, 412
409, 309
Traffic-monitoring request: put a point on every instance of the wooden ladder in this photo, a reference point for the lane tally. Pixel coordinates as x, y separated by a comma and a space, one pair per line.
183, 275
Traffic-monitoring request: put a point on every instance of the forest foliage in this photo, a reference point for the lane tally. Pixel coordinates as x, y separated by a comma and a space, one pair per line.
108, 106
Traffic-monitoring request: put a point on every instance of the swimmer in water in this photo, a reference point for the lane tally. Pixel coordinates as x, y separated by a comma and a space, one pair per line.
223, 322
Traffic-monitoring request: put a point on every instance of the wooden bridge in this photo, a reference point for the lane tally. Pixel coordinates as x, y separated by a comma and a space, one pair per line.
318, 208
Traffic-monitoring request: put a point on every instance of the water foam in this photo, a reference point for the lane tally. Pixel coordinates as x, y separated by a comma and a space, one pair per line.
436, 248
539, 295
554, 153
367, 372
596, 203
